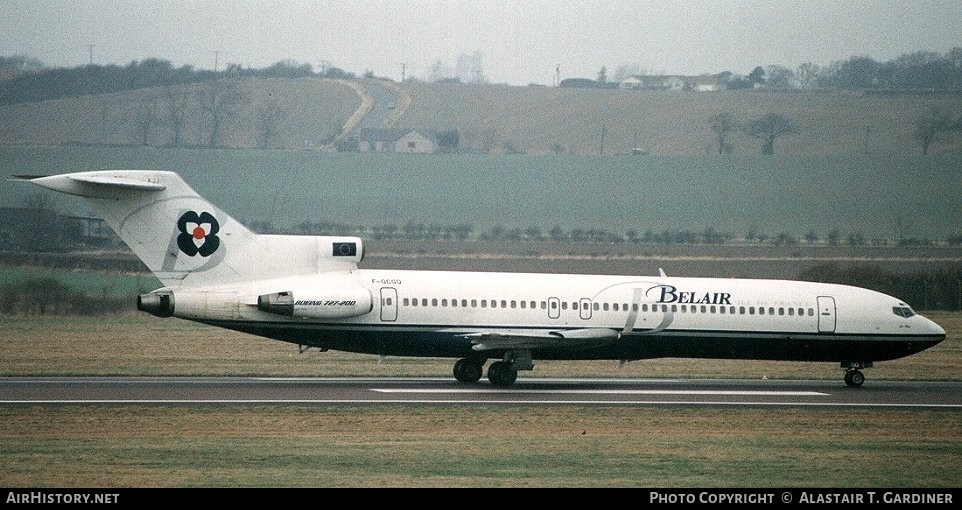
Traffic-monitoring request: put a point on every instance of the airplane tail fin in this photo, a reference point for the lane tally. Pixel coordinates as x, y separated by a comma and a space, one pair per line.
187, 241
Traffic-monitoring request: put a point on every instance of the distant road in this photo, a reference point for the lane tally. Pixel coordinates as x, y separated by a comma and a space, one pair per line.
528, 391
384, 101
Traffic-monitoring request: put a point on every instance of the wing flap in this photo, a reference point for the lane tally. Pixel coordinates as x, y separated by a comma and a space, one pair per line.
489, 340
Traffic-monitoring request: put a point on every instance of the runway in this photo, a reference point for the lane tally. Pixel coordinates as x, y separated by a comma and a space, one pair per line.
439, 391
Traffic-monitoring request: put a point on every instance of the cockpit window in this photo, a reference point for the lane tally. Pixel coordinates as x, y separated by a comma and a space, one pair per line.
903, 311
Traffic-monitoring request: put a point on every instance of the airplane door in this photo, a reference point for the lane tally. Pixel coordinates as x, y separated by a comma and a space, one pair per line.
388, 304
826, 314
585, 308
554, 308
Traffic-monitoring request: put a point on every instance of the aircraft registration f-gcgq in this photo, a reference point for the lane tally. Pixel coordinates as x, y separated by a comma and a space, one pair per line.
308, 290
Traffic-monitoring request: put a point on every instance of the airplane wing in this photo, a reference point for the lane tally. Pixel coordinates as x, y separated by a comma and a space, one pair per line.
489, 340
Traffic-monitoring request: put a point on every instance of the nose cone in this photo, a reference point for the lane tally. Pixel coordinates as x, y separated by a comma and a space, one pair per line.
932, 329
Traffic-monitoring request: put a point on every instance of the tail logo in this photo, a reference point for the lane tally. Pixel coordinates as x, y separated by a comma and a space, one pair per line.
198, 233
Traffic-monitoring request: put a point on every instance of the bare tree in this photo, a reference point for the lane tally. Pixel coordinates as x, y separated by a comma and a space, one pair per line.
220, 99
147, 118
722, 124
177, 102
268, 117
769, 128
933, 125
808, 74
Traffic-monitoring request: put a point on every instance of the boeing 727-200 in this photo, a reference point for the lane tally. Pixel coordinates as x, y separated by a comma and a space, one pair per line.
308, 290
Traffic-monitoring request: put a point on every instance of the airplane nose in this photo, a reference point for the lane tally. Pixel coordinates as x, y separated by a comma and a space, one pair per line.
932, 328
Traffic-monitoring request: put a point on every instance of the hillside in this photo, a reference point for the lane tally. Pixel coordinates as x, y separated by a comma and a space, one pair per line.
295, 112
664, 122
309, 112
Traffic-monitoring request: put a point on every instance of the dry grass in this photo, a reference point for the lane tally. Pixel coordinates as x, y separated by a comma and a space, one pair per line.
139, 344
476, 446
443, 446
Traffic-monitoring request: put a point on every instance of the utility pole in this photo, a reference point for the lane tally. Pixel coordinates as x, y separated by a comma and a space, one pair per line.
216, 54
403, 71
90, 49
557, 73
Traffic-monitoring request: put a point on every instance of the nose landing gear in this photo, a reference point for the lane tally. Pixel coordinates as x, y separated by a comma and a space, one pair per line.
854, 377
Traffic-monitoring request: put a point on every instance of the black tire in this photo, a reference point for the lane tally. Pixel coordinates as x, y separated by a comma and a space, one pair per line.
468, 370
501, 373
857, 378
854, 378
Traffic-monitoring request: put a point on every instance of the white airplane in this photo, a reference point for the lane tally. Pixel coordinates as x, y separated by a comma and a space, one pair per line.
308, 290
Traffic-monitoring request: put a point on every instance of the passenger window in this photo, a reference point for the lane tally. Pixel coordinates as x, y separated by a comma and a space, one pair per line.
514, 304
434, 302
771, 310
474, 303
595, 307
564, 305
535, 305
484, 303
405, 301
554, 305
791, 312
644, 308
703, 308
614, 307
523, 304
444, 302
751, 310
504, 304
713, 309
605, 307
634, 307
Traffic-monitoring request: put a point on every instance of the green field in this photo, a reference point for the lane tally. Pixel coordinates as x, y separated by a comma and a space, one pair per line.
890, 197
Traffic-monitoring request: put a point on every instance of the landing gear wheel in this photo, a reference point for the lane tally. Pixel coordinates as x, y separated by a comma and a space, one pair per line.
468, 370
854, 378
501, 373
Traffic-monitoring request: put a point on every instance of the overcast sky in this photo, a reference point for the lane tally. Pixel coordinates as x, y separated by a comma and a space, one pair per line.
520, 41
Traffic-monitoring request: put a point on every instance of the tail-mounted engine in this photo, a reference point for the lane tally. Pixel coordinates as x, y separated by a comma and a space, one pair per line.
331, 304
160, 304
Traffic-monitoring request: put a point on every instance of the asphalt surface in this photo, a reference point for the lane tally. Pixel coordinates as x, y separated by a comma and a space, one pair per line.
528, 391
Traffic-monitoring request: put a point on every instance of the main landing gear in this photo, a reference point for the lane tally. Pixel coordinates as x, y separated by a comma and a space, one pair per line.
854, 377
500, 373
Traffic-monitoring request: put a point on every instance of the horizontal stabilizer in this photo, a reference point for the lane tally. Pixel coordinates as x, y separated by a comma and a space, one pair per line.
98, 184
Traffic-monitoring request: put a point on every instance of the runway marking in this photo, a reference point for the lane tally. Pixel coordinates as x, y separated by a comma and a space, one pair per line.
485, 402
606, 392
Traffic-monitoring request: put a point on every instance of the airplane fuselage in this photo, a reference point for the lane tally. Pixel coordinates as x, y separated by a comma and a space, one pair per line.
432, 313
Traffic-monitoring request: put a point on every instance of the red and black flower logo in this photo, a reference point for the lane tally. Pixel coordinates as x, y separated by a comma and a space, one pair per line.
198, 234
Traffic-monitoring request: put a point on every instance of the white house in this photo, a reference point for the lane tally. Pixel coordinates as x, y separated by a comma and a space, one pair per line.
395, 140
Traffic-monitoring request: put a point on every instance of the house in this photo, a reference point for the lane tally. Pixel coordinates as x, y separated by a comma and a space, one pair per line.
704, 83
396, 140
